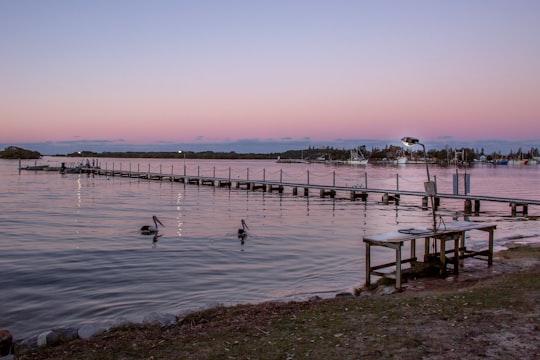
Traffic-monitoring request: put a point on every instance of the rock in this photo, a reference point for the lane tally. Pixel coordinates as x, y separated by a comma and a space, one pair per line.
87, 331
345, 295
315, 298
62, 335
6, 339
386, 290
29, 343
42, 338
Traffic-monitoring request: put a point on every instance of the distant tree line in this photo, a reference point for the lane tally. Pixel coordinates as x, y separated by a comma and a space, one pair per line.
375, 154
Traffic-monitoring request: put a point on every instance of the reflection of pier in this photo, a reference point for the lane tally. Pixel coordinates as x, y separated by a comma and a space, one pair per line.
388, 196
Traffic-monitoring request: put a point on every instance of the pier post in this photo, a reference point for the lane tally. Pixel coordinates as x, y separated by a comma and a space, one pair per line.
295, 191
477, 206
386, 199
354, 195
424, 203
524, 208
468, 206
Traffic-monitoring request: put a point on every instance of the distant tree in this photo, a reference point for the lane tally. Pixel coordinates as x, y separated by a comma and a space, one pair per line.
14, 152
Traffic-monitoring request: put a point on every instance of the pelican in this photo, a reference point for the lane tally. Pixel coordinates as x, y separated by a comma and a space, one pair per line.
149, 229
243, 232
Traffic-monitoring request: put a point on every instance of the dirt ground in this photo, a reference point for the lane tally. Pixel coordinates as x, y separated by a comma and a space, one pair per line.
482, 313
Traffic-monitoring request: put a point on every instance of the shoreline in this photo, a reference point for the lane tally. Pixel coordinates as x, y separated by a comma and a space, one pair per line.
518, 257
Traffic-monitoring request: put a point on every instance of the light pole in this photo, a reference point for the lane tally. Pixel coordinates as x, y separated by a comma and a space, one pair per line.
180, 151
429, 186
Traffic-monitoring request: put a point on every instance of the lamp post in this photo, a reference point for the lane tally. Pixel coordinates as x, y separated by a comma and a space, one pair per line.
429, 186
180, 151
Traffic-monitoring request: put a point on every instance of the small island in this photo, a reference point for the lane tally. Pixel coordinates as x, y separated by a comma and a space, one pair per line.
14, 152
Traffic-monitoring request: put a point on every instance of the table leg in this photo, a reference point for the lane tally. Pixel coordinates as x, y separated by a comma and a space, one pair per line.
442, 271
490, 254
426, 249
398, 267
368, 264
462, 252
456, 254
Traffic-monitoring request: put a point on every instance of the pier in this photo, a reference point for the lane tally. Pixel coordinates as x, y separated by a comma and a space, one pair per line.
353, 193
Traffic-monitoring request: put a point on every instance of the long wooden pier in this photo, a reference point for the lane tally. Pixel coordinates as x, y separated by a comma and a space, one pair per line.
388, 196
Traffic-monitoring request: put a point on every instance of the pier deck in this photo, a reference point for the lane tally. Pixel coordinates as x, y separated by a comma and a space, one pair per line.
389, 196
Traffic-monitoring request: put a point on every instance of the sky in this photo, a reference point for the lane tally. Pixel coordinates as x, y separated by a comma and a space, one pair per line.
267, 76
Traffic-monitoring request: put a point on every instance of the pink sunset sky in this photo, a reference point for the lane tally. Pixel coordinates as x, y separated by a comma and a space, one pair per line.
175, 73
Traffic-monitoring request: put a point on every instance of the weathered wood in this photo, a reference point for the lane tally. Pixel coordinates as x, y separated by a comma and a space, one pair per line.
272, 187
224, 183
209, 182
524, 208
454, 232
331, 193
387, 199
355, 195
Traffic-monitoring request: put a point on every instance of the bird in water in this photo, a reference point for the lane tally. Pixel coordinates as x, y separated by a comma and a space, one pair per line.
243, 231
149, 229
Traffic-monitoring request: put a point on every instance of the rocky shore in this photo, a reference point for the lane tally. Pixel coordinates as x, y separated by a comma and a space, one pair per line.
493, 312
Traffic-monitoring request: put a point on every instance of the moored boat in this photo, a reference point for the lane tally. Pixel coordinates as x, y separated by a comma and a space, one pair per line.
357, 158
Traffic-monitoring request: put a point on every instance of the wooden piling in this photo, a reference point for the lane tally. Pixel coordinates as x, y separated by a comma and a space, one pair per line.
355, 195
271, 187
468, 206
476, 206
386, 199
325, 193
515, 206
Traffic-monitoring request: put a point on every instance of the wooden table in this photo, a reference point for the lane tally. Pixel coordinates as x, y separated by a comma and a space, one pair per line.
454, 231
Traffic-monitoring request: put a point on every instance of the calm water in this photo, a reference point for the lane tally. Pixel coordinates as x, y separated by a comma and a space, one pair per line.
71, 252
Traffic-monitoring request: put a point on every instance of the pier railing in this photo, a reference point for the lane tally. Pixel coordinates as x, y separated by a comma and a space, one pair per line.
261, 180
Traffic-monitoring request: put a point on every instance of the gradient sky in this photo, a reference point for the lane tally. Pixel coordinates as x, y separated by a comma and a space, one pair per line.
180, 72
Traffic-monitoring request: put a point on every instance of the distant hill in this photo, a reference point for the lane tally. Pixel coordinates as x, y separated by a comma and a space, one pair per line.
14, 152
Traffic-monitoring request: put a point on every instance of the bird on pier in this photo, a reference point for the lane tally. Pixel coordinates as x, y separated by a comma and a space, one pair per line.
243, 231
149, 229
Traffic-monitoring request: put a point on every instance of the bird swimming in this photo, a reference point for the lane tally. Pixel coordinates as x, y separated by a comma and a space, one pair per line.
243, 231
149, 229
